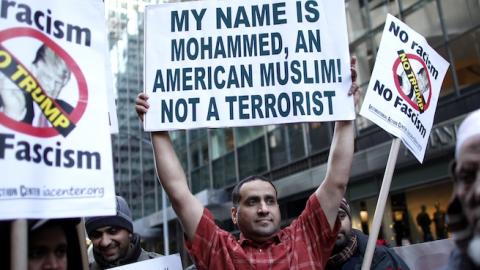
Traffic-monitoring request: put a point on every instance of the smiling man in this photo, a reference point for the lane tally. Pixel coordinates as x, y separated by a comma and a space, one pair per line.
113, 240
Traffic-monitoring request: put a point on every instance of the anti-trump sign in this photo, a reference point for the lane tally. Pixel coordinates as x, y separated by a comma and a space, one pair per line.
244, 63
55, 151
404, 87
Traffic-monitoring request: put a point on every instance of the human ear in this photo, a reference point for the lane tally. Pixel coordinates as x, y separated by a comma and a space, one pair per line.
234, 215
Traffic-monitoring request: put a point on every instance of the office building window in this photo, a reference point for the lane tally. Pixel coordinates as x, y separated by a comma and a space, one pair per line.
200, 179
221, 141
319, 136
223, 170
223, 157
277, 146
179, 140
252, 158
296, 142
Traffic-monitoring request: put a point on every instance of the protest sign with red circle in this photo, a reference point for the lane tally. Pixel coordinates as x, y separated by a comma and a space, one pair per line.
412, 80
35, 85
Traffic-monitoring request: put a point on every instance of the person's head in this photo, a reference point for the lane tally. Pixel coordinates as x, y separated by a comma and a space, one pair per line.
50, 70
111, 235
255, 208
50, 244
466, 175
345, 232
423, 207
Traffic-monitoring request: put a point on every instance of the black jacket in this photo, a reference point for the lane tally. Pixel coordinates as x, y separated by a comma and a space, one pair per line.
384, 258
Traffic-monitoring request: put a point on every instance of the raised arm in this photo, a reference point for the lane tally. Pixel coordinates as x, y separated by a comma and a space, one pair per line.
333, 187
172, 176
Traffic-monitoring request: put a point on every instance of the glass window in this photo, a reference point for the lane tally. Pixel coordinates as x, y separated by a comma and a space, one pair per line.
223, 157
245, 135
252, 158
277, 146
179, 140
462, 25
221, 141
319, 136
200, 179
199, 147
223, 170
149, 202
467, 59
296, 141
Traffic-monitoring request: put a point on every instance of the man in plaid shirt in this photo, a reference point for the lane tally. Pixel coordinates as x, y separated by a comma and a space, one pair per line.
305, 244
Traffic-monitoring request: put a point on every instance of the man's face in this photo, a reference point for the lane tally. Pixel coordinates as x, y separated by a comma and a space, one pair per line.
467, 175
110, 242
50, 77
345, 232
47, 249
257, 214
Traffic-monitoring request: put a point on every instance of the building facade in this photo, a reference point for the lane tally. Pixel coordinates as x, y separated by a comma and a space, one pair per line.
294, 155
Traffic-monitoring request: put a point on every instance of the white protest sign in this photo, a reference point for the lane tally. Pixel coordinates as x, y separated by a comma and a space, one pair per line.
171, 262
244, 63
404, 87
55, 149
112, 106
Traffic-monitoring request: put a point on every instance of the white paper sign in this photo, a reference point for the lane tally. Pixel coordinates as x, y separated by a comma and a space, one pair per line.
403, 91
171, 262
55, 149
244, 63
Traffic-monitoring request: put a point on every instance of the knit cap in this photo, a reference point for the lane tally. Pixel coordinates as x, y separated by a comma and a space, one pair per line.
122, 219
345, 207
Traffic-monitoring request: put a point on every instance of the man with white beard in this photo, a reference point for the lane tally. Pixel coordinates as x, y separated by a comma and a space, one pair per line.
463, 215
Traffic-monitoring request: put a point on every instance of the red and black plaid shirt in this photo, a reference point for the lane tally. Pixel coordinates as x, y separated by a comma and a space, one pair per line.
305, 244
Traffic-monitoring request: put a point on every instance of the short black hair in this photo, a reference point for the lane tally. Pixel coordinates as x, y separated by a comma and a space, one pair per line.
40, 55
236, 190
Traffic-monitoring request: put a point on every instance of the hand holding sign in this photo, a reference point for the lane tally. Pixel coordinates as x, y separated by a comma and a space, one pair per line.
354, 88
141, 105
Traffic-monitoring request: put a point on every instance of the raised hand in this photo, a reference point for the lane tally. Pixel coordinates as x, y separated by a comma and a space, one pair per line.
141, 105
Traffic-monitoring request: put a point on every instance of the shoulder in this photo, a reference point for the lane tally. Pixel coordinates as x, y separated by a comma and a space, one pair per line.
383, 257
362, 239
147, 255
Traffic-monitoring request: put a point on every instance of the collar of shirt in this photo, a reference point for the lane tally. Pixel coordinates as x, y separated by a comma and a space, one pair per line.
275, 239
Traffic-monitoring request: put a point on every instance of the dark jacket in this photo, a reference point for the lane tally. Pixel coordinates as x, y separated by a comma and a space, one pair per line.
384, 258
134, 254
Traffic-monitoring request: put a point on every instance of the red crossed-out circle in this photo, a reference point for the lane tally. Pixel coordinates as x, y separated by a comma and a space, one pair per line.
399, 88
81, 105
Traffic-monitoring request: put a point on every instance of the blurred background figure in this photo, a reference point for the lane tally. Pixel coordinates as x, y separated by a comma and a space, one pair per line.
439, 220
54, 244
424, 221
